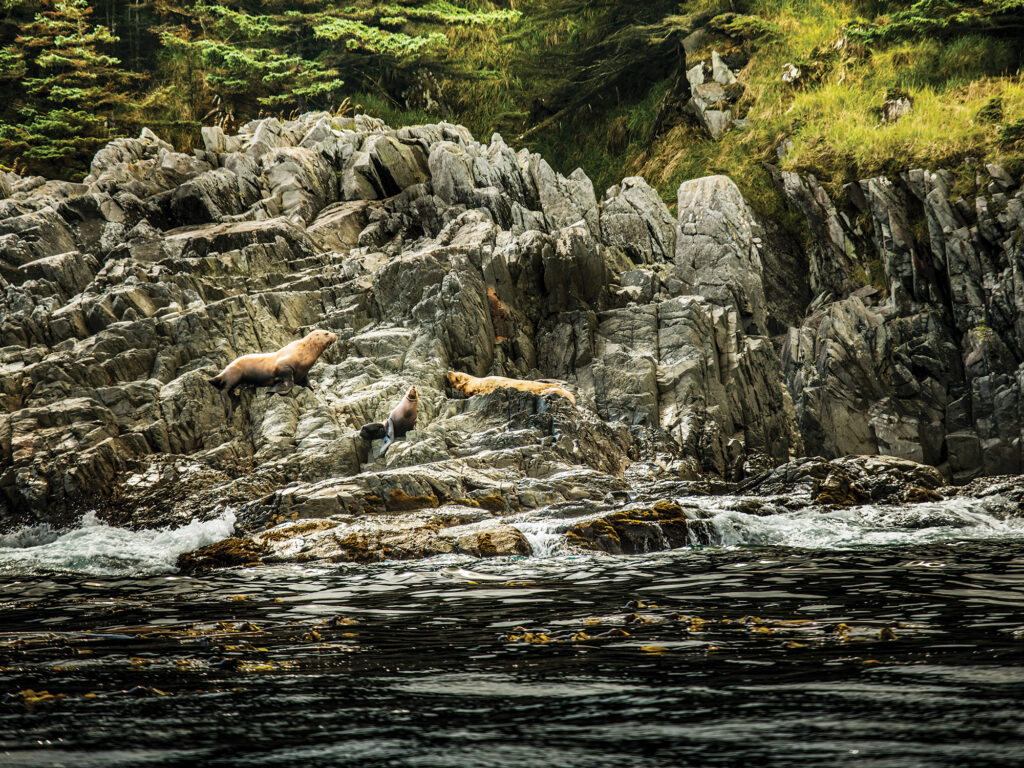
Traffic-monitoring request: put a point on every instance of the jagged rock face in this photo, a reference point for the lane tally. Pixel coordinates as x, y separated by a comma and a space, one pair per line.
424, 251
848, 481
929, 367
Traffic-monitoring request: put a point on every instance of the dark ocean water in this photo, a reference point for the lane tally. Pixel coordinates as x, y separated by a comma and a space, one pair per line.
901, 654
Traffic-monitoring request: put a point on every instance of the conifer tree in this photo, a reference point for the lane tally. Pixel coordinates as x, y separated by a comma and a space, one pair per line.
271, 56
943, 19
71, 89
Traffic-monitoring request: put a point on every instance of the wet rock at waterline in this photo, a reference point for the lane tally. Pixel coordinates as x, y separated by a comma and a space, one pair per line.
849, 481
412, 536
682, 356
631, 531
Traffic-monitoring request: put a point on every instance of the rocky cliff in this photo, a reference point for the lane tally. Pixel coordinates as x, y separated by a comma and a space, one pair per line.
702, 348
929, 368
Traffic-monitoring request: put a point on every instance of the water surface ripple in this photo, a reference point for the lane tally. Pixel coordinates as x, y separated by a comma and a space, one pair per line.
894, 656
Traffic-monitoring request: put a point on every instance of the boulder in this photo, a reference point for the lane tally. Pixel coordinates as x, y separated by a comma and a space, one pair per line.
633, 531
634, 218
502, 541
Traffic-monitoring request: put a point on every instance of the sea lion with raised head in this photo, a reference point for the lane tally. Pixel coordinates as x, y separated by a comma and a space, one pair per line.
280, 371
401, 419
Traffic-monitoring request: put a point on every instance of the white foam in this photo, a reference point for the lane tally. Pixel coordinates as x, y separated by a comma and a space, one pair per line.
29, 536
869, 525
545, 537
96, 549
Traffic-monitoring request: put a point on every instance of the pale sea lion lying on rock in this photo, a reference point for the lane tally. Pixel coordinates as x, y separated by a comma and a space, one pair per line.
472, 385
401, 419
280, 371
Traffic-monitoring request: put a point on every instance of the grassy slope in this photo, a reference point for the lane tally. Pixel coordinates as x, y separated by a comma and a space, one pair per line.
968, 97
504, 87
833, 116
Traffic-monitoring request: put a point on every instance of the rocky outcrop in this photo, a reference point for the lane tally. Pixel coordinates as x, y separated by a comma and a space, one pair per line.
632, 531
715, 92
913, 346
427, 252
848, 481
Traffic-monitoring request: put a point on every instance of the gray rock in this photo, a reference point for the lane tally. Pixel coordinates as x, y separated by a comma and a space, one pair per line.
634, 218
214, 196
720, 71
896, 107
121, 297
833, 255
695, 40
716, 253
695, 75
337, 227
300, 181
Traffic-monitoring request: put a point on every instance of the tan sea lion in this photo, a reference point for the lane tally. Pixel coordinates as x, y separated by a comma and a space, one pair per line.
280, 370
401, 419
473, 385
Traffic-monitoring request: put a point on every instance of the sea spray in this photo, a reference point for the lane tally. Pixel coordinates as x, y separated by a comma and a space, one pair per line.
725, 523
869, 525
96, 549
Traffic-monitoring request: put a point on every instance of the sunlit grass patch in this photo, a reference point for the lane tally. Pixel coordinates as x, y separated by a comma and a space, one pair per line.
967, 94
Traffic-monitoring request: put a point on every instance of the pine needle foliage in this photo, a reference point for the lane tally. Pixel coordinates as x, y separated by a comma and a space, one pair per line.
192, 62
593, 83
68, 90
944, 19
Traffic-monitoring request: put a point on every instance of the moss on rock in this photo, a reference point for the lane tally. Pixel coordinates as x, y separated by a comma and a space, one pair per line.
224, 554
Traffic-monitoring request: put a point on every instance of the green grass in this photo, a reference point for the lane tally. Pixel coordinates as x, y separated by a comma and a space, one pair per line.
967, 93
395, 115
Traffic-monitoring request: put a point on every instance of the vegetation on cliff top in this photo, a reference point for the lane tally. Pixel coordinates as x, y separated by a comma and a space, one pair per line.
965, 87
596, 84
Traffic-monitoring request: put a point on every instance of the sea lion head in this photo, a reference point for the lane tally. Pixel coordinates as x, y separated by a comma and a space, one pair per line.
411, 395
323, 339
456, 379
317, 341
374, 431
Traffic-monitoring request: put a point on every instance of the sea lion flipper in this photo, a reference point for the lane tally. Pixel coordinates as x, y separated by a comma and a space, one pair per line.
283, 381
226, 397
389, 436
373, 431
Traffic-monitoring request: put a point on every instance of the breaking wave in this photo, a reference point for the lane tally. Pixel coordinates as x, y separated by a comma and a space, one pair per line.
870, 525
721, 523
96, 549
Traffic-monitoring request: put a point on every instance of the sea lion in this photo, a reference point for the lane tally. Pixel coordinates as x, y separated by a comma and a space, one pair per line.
401, 419
280, 370
472, 385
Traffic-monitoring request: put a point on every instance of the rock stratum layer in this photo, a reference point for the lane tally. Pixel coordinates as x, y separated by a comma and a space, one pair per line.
686, 340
